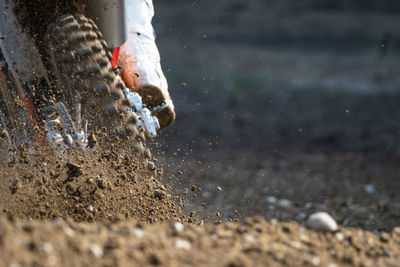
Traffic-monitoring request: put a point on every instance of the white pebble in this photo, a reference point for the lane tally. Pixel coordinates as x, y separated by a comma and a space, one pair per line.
315, 261
322, 221
284, 203
182, 244
96, 250
339, 236
178, 227
47, 247
69, 232
369, 188
271, 199
138, 233
90, 208
219, 188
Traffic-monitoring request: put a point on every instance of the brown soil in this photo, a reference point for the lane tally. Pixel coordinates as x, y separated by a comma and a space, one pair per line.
85, 186
113, 207
253, 243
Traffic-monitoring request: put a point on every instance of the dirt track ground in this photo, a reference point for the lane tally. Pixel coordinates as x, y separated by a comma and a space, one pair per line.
262, 129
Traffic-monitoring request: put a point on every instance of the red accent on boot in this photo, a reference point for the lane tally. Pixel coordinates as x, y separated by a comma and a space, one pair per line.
115, 55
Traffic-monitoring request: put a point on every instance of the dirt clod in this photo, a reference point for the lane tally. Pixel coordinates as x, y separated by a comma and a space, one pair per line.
74, 170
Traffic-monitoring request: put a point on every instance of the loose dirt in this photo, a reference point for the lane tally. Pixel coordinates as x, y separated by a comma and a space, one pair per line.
111, 208
85, 186
253, 243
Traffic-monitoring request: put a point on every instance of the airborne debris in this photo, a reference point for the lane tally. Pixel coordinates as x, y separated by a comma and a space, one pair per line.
74, 170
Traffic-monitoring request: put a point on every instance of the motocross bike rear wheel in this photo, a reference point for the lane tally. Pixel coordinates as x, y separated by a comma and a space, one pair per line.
79, 64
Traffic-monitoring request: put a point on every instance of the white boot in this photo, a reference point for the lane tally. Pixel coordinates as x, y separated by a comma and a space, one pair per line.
140, 61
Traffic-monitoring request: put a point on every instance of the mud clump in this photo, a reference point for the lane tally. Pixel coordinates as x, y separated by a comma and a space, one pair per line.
116, 184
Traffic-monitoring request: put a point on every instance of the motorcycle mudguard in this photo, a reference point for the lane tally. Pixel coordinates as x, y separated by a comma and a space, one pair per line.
109, 15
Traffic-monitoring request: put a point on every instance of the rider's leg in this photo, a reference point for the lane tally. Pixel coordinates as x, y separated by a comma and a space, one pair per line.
140, 60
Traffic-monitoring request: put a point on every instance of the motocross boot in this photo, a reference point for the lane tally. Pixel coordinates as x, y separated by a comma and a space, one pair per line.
139, 60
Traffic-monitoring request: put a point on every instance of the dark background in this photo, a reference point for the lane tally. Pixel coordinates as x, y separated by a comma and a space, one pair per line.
283, 108
272, 74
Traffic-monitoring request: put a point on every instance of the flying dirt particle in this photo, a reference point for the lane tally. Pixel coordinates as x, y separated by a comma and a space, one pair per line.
4, 134
74, 170
194, 188
160, 194
101, 183
15, 185
322, 221
151, 166
92, 140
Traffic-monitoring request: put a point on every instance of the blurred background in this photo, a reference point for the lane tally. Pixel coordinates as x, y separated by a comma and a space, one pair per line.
283, 107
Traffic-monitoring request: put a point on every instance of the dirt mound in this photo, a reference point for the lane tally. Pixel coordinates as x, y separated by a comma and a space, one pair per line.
254, 243
86, 186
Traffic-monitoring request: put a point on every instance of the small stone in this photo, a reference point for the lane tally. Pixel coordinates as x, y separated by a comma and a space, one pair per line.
315, 261
308, 205
74, 170
69, 232
396, 230
4, 134
68, 140
339, 236
178, 227
193, 188
182, 244
301, 216
92, 140
160, 194
384, 237
151, 166
271, 200
219, 188
96, 250
47, 247
15, 185
138, 233
90, 208
101, 183
369, 189
322, 221
284, 203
